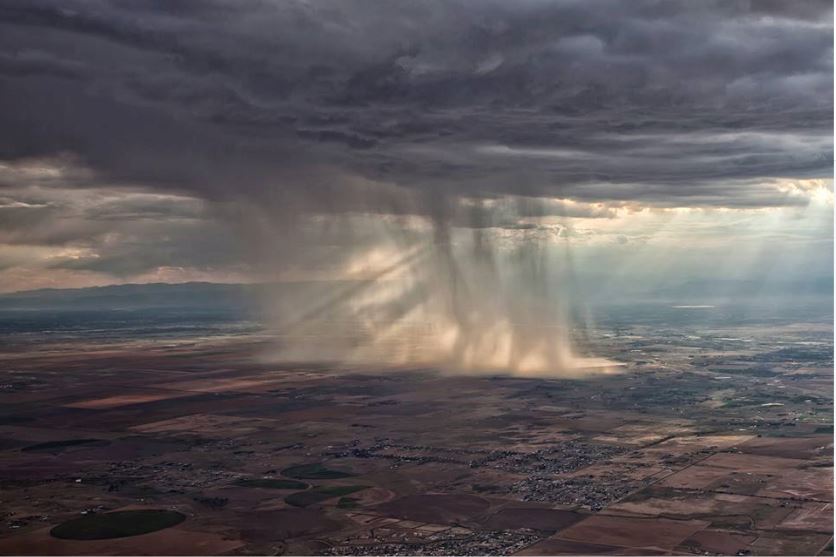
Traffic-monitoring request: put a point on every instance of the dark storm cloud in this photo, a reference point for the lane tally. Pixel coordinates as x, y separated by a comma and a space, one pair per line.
303, 104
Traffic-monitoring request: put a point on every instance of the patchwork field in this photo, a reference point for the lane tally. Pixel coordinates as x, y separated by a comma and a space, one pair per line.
216, 452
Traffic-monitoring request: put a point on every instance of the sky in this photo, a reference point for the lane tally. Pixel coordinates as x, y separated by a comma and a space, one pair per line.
637, 146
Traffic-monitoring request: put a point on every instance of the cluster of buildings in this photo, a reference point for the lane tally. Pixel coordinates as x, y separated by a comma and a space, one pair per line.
476, 543
592, 493
558, 458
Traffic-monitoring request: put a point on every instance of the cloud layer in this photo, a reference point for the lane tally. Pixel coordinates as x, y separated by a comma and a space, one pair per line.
332, 106
669, 102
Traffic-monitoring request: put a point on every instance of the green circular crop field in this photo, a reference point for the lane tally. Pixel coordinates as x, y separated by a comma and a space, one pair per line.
117, 524
314, 472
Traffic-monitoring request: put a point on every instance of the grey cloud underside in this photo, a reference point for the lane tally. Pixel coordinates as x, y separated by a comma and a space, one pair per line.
301, 104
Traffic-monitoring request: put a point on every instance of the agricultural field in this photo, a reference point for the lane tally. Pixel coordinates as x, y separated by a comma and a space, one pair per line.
201, 447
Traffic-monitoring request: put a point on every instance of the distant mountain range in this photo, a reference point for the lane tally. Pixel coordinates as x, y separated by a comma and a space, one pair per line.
237, 297
202, 295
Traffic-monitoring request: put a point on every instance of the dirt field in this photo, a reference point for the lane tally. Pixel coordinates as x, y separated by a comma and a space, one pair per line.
651, 533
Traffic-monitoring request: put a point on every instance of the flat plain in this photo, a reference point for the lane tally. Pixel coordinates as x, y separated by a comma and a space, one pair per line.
708, 441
